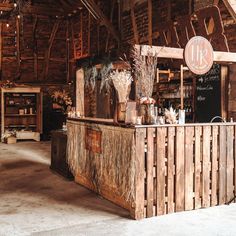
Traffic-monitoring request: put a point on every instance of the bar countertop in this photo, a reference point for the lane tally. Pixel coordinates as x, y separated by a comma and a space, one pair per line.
112, 123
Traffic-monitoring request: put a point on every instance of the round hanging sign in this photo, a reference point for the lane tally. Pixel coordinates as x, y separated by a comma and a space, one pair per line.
198, 55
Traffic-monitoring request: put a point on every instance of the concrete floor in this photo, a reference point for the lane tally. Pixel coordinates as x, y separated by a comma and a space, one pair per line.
34, 201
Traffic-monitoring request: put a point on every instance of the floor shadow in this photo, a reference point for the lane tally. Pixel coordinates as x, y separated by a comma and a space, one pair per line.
36, 179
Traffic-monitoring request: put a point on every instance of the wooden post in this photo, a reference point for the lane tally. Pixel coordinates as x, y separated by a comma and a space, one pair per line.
0, 50
139, 176
35, 48
18, 44
135, 28
150, 22
73, 38
81, 32
67, 53
111, 16
182, 87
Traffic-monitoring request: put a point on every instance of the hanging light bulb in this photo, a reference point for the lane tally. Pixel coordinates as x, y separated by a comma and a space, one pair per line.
18, 16
15, 4
7, 25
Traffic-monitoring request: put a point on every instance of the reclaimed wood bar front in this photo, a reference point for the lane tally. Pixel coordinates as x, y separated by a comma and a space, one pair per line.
155, 170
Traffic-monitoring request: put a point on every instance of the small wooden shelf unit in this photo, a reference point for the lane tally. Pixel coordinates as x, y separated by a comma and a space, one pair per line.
21, 111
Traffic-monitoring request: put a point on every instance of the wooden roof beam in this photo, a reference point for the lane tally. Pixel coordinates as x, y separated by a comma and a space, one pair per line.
231, 6
97, 13
39, 10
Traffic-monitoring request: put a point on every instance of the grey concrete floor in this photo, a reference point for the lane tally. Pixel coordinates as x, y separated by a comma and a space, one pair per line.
35, 201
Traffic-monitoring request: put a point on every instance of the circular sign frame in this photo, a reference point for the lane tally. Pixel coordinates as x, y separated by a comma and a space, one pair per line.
199, 55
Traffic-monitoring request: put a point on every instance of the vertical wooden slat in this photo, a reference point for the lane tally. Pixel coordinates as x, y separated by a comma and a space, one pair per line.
139, 177
150, 156
230, 164
188, 175
150, 22
179, 191
161, 133
197, 169
170, 170
222, 166
234, 162
214, 166
205, 166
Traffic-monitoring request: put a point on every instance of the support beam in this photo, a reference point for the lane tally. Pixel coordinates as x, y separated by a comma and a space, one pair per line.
211, 22
73, 38
177, 53
150, 22
0, 51
67, 52
35, 49
18, 45
39, 10
135, 28
111, 16
48, 51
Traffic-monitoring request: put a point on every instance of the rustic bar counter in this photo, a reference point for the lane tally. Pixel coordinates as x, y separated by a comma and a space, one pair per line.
154, 170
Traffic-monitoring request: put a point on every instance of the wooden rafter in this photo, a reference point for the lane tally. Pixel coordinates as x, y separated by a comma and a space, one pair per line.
41, 10
211, 22
231, 6
100, 16
48, 51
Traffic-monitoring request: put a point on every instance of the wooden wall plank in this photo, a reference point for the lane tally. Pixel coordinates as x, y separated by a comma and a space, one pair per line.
170, 169
222, 166
214, 166
205, 166
139, 177
161, 133
150, 157
179, 191
230, 164
197, 169
188, 175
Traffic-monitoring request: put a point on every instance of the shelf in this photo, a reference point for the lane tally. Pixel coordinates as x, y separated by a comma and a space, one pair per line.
18, 115
176, 98
20, 126
20, 105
